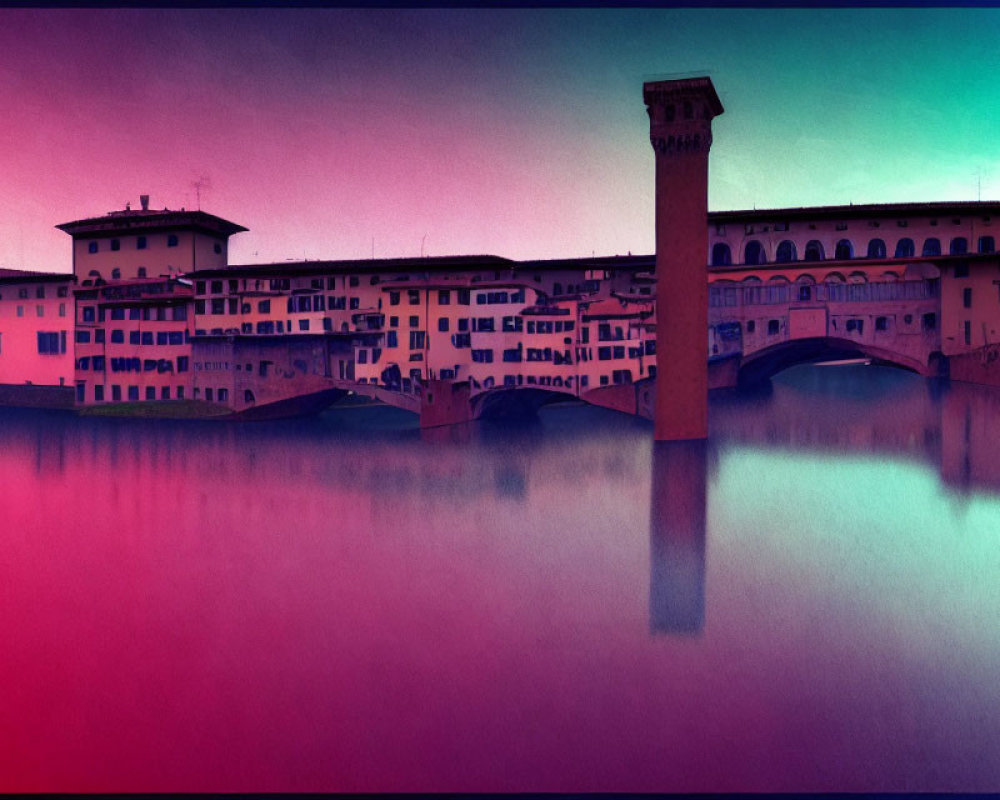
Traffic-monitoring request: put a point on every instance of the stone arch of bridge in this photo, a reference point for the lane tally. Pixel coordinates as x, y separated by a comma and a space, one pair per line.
511, 401
762, 364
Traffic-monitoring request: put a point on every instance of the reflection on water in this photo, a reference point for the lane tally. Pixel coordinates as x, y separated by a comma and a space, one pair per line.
806, 602
677, 537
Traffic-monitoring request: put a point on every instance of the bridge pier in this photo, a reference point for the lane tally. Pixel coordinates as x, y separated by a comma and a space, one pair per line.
680, 130
444, 402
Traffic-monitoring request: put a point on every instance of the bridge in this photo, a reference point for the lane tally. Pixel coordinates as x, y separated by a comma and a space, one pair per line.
761, 322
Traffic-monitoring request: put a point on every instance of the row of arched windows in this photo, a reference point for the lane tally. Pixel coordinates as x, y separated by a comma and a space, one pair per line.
754, 255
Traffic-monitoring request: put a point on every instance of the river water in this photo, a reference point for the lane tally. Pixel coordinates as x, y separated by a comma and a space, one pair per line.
808, 602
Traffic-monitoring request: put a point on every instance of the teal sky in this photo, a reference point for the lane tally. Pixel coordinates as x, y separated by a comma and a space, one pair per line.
517, 132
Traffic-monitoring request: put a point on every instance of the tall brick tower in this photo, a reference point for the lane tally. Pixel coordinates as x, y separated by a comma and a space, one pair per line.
680, 130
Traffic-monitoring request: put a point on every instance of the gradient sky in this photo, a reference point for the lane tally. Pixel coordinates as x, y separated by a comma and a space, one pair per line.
517, 132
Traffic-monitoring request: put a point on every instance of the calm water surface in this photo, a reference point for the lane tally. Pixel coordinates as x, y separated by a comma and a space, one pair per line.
809, 602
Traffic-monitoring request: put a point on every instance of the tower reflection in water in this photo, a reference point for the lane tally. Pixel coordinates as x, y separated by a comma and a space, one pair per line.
677, 537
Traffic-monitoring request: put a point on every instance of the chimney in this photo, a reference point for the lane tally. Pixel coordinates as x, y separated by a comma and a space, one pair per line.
144, 200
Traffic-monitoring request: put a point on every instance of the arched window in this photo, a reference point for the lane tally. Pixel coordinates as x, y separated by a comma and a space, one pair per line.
814, 251
986, 244
116, 274
785, 252
754, 253
857, 277
876, 248
751, 279
932, 247
805, 287
890, 276
721, 255
844, 251
959, 246
172, 240
142, 272
905, 248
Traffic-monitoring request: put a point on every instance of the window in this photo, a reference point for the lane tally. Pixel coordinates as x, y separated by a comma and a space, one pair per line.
814, 251
40, 311
959, 246
62, 291
844, 250
118, 313
140, 243
932, 247
416, 340
355, 302
414, 296
172, 240
721, 255
929, 321
223, 395
444, 297
751, 327
118, 336
183, 363
443, 324
116, 244
165, 393
87, 313
393, 298
967, 298
905, 248
881, 323
116, 393
99, 336
773, 327
414, 322
116, 274
150, 392
83, 337
92, 247
217, 248
785, 252
876, 248
218, 305
482, 356
967, 330
464, 297
391, 339
753, 253
961, 269
147, 337
51, 343
986, 244
303, 324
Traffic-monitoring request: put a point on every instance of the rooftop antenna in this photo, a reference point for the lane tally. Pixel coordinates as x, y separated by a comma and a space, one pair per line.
373, 248
422, 245
202, 182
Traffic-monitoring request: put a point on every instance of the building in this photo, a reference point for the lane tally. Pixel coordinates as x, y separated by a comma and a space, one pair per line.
155, 313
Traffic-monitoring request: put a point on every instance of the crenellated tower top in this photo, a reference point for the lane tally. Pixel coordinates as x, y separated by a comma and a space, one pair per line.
681, 114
